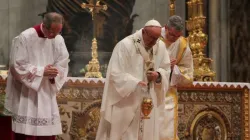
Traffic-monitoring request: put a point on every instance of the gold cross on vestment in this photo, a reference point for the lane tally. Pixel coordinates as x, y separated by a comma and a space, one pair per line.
94, 8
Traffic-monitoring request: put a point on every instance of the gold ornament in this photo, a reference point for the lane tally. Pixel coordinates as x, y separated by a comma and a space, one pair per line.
93, 68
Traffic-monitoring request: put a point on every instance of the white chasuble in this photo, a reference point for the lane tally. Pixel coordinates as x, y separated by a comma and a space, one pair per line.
31, 97
122, 97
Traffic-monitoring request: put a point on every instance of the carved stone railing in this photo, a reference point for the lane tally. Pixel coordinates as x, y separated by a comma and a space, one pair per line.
207, 110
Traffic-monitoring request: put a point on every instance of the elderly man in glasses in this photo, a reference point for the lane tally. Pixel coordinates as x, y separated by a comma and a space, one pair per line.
181, 71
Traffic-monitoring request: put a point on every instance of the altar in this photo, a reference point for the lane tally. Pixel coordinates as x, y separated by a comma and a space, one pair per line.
207, 110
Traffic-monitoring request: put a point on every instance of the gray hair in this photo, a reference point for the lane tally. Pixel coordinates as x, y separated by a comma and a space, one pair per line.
52, 17
176, 22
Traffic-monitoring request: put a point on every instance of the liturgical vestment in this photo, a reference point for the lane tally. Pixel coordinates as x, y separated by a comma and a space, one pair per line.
122, 97
181, 75
30, 96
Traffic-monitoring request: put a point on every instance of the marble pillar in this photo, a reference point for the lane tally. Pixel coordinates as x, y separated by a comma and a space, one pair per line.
219, 49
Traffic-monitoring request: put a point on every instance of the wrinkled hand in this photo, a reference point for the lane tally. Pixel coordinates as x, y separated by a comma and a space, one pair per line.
50, 71
152, 75
173, 62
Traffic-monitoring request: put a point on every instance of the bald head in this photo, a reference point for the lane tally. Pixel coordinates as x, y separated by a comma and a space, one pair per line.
52, 17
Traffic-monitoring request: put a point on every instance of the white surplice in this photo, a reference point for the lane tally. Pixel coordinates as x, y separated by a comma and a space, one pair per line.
120, 110
30, 96
182, 75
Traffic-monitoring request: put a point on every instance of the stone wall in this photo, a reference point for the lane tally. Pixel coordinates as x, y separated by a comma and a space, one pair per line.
16, 16
155, 9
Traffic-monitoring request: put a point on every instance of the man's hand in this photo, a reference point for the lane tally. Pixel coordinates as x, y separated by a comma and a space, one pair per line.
173, 62
50, 71
142, 83
152, 75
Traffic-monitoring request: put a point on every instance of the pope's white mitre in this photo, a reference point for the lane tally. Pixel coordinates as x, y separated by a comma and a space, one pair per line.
153, 23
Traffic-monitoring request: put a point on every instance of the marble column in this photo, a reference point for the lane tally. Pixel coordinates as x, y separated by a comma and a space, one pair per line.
218, 38
225, 44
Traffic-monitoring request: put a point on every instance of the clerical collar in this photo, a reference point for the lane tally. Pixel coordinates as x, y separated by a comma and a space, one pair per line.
39, 30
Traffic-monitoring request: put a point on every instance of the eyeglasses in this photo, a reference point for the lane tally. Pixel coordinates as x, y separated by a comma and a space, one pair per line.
171, 33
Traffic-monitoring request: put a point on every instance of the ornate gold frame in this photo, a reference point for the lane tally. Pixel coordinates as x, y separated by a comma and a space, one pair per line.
245, 99
203, 114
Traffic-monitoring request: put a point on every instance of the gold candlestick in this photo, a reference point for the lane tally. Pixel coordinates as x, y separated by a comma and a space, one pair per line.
198, 41
172, 7
194, 8
190, 9
93, 68
200, 8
